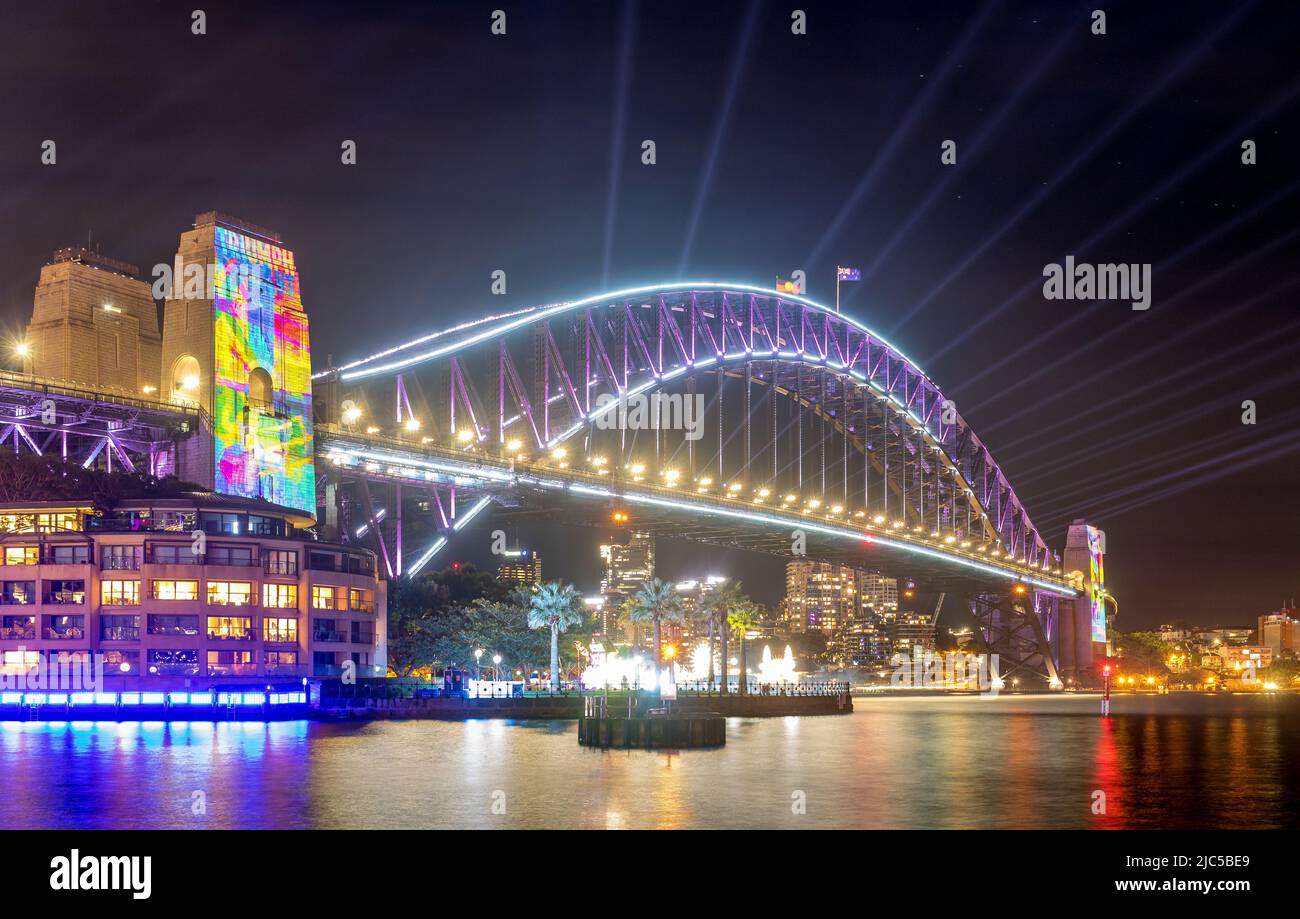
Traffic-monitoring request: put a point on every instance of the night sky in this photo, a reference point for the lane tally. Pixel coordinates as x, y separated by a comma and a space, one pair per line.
775, 152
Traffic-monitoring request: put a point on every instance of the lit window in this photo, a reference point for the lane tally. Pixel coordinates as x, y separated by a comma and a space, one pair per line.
280, 596
326, 597
282, 630
22, 555
230, 593
119, 593
175, 590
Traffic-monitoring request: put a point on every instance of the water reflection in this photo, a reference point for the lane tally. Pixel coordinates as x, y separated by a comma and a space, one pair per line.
950, 762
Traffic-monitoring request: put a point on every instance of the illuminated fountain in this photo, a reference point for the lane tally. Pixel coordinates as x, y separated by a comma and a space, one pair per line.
776, 671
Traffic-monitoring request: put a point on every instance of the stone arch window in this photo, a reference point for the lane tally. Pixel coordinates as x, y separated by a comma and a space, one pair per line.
261, 390
187, 379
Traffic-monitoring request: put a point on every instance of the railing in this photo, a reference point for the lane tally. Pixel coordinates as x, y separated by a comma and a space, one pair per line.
364, 607
174, 630
66, 598
282, 568
16, 600
68, 634
363, 638
755, 688
172, 669
18, 633
327, 635
232, 669
119, 563
250, 635
285, 670
119, 633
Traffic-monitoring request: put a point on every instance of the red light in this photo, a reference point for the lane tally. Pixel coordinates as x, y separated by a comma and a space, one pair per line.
1106, 670
869, 538
455, 566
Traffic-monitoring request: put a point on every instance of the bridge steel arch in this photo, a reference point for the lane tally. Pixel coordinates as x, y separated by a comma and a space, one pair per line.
810, 420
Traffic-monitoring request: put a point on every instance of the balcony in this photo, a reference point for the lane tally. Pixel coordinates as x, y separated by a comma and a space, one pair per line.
232, 669
328, 635
119, 633
66, 598
68, 633
120, 563
363, 638
364, 606
283, 670
250, 635
18, 632
171, 668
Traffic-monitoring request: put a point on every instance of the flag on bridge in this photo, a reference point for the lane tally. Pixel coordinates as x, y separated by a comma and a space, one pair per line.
848, 274
786, 286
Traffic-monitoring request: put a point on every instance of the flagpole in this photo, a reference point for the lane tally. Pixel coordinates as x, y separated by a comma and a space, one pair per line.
837, 289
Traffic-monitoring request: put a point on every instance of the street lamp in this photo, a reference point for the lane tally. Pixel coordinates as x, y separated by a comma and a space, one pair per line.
496, 669
478, 671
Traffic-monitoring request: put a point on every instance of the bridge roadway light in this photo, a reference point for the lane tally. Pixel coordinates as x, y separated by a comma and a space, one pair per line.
351, 415
464, 435
514, 445
412, 424
22, 349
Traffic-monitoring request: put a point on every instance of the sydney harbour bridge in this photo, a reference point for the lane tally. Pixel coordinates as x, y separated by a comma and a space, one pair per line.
720, 413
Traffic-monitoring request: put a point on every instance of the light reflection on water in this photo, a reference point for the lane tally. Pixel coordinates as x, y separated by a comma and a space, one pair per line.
901, 762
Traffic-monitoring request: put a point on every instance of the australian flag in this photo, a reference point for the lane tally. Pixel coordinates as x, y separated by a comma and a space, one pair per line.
847, 274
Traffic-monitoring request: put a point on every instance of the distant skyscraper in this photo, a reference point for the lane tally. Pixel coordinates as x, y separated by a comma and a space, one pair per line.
845, 605
522, 568
1277, 632
627, 566
911, 630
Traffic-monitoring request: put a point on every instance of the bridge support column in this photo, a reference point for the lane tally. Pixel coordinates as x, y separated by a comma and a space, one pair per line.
1012, 628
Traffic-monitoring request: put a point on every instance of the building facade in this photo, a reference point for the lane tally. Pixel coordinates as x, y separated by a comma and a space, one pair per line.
1277, 632
522, 568
94, 323
185, 592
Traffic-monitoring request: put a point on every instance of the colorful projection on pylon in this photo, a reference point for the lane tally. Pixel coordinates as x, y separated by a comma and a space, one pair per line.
1097, 583
262, 399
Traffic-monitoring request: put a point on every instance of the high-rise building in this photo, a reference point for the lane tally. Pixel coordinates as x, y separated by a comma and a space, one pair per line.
522, 568
1277, 632
94, 322
627, 566
847, 606
910, 630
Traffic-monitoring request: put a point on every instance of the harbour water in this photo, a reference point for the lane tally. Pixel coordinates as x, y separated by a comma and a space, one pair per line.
947, 762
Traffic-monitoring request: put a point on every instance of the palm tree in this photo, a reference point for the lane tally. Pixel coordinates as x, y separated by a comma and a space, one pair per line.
554, 606
717, 604
721, 602
656, 601
743, 617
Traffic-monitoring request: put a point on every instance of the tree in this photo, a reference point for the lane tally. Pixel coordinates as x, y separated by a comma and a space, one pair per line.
422, 625
655, 602
554, 606
721, 602
714, 606
742, 618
